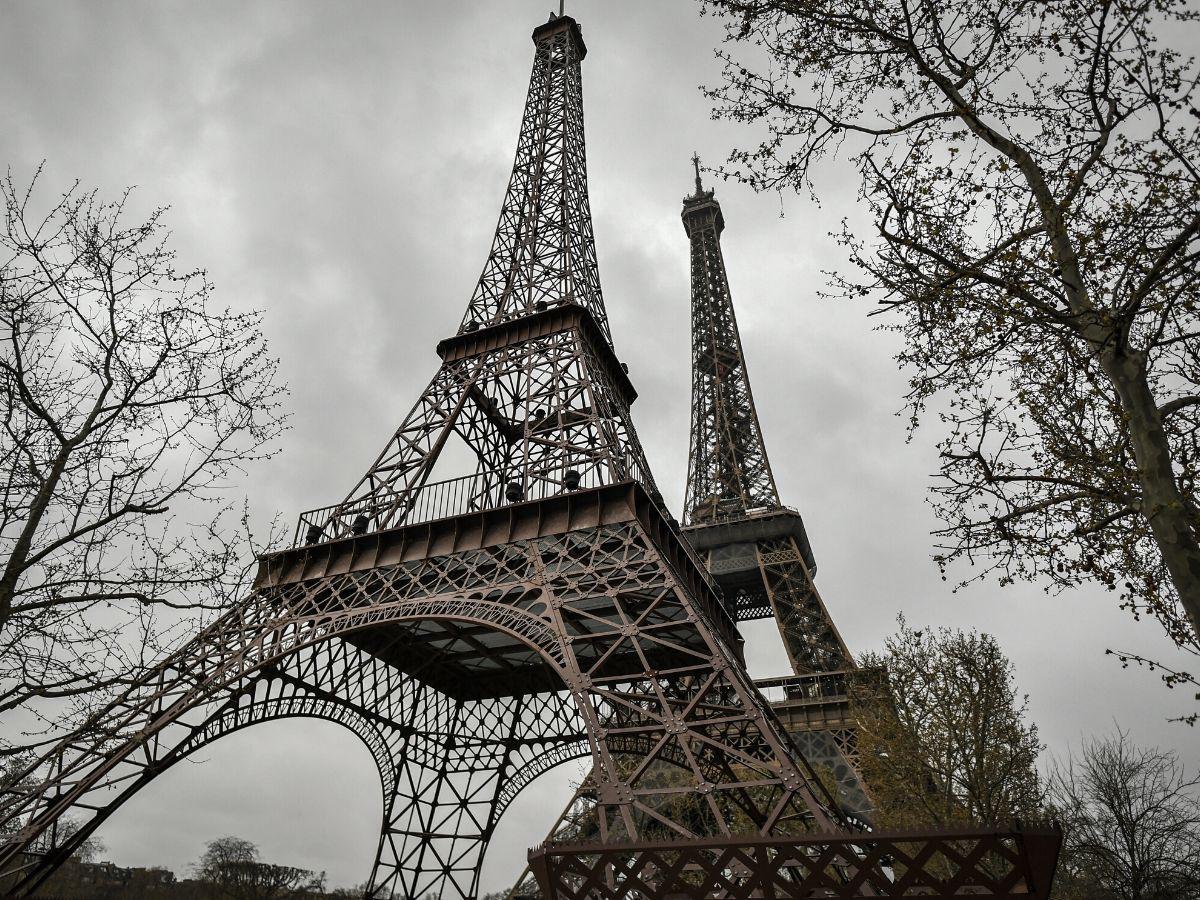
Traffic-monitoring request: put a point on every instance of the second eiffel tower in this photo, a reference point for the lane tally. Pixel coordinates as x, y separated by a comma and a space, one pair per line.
756, 548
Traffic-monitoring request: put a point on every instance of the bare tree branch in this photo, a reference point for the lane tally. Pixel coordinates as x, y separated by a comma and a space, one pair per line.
1031, 170
129, 402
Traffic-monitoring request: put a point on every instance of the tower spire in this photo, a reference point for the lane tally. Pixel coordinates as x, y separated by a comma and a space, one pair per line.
537, 417
728, 469
544, 254
730, 482
757, 549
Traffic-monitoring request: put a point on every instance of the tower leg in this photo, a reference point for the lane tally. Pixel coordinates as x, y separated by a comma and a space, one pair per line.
333, 681
436, 824
455, 779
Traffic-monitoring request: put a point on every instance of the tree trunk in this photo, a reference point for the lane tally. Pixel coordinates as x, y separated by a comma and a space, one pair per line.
1162, 503
14, 566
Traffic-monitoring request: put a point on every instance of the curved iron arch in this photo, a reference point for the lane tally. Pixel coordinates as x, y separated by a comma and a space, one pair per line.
233, 718
565, 752
554, 757
305, 633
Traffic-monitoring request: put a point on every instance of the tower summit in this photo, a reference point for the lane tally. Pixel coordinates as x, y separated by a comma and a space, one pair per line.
552, 409
543, 253
728, 470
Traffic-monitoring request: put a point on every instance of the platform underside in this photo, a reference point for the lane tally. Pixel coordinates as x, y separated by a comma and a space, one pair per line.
466, 662
729, 545
469, 661
603, 548
745, 596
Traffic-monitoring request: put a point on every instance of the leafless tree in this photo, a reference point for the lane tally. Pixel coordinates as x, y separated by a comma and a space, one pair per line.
944, 737
1132, 823
1032, 172
233, 867
129, 402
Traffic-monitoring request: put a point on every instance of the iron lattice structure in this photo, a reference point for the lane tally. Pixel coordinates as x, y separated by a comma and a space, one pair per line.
732, 509
755, 547
477, 630
545, 609
728, 470
935, 865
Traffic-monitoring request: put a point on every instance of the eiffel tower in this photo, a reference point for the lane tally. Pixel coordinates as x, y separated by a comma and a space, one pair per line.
755, 548
478, 629
475, 630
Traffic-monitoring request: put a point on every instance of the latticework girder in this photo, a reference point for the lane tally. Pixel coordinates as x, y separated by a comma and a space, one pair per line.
728, 469
607, 607
938, 865
755, 548
732, 507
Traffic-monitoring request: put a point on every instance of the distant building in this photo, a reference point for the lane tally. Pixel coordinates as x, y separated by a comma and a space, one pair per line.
77, 880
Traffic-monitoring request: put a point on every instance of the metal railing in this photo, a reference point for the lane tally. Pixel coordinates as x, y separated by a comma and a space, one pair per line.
731, 510
820, 687
455, 497
817, 687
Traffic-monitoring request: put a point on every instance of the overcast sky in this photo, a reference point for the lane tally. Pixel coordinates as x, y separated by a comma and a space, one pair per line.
341, 166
